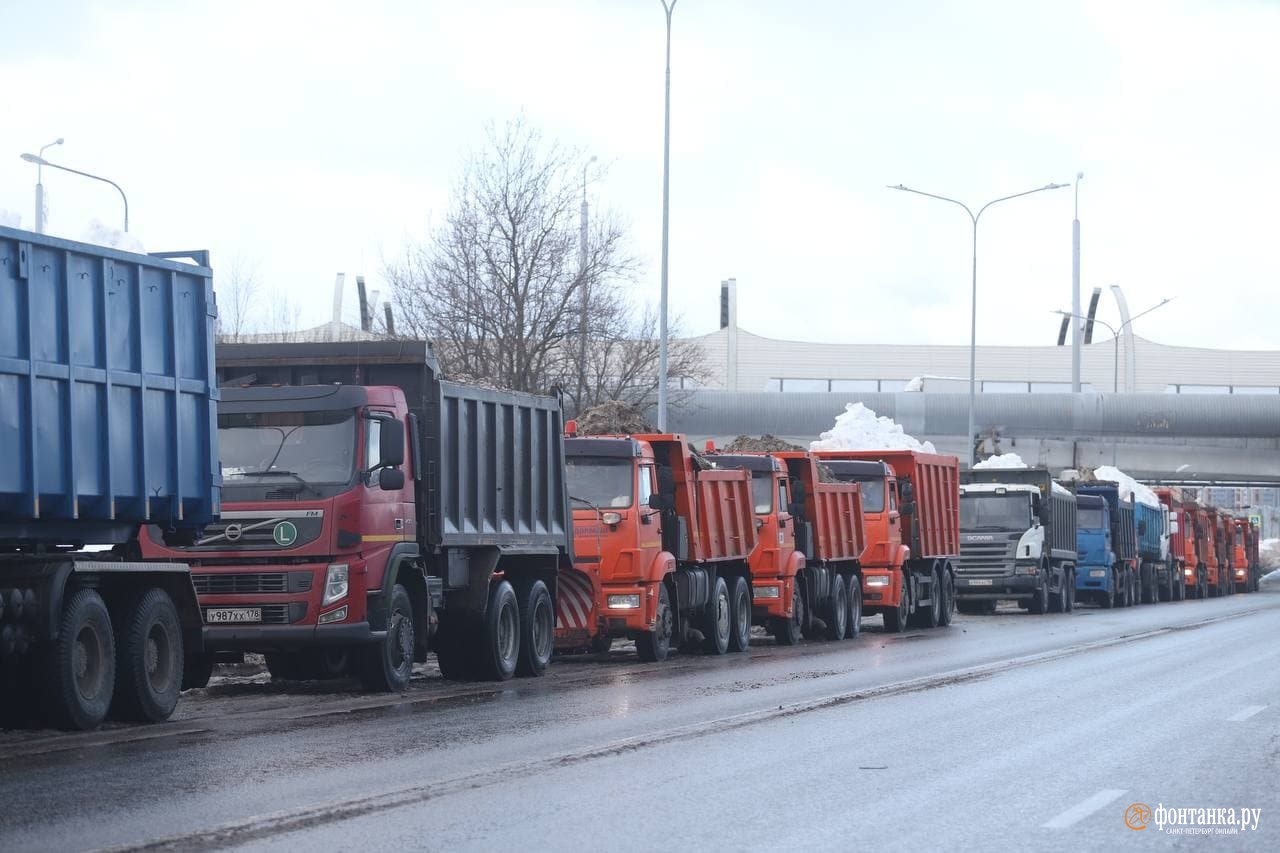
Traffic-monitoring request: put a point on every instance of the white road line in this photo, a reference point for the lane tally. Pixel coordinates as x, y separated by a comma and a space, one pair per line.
1241, 716
1082, 810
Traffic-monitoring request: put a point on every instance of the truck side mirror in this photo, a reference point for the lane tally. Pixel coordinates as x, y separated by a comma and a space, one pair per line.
661, 502
1173, 527
390, 443
390, 479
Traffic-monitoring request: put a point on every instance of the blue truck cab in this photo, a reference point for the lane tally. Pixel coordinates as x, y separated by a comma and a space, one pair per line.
1105, 531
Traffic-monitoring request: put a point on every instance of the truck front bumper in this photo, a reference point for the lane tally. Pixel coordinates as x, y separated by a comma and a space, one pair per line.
1086, 581
1006, 588
250, 638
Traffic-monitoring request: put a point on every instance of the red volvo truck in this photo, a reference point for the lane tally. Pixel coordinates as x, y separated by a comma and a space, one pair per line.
805, 575
1184, 559
368, 505
911, 509
661, 541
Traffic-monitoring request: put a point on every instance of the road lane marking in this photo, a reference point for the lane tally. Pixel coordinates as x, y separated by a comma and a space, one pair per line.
1241, 716
1083, 809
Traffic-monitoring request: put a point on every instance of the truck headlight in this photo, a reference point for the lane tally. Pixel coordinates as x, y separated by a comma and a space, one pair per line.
1239, 573
611, 518
1097, 573
623, 602
335, 584
1189, 572
877, 580
768, 591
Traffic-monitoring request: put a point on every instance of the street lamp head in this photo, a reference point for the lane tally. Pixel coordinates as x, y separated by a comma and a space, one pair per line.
31, 158
58, 141
898, 187
1055, 186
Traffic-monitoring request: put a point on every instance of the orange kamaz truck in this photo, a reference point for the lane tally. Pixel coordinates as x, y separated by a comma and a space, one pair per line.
911, 509
805, 575
661, 543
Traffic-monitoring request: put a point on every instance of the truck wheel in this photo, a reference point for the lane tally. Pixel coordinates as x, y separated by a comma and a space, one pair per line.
787, 630
1039, 603
855, 608
948, 597
928, 618
499, 649
1108, 599
837, 616
386, 665
740, 613
80, 674
895, 620
148, 659
716, 620
1058, 600
655, 645
1069, 590
601, 644
452, 651
196, 671
537, 629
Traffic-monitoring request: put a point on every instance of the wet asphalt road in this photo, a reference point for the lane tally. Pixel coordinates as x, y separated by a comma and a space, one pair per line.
1003, 731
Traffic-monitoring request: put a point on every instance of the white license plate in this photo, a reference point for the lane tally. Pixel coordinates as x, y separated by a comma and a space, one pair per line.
233, 614
979, 582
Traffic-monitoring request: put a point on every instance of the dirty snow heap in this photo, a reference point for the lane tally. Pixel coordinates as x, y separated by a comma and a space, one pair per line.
858, 428
1129, 487
613, 417
764, 444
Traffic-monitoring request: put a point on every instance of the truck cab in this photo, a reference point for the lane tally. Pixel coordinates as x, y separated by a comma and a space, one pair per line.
317, 506
1097, 579
1001, 545
661, 544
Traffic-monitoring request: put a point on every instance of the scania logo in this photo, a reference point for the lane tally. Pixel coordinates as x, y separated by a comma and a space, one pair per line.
977, 537
233, 532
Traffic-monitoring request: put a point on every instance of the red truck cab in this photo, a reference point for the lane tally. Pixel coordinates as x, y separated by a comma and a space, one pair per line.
1183, 553
316, 502
660, 547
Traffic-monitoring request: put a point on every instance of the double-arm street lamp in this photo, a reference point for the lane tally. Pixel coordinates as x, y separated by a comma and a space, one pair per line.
1115, 335
41, 162
973, 319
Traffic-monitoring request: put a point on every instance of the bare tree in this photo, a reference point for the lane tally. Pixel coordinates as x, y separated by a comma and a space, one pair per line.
237, 292
499, 285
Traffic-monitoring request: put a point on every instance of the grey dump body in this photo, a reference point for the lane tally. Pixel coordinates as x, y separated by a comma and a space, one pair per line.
488, 464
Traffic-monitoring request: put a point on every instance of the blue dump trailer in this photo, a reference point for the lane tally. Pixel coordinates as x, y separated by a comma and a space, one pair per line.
1107, 539
107, 422
1153, 552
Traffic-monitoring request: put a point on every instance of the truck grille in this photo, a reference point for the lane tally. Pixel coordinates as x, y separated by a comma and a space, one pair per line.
986, 559
240, 584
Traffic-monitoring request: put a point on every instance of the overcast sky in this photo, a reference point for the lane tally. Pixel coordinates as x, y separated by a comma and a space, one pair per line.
311, 138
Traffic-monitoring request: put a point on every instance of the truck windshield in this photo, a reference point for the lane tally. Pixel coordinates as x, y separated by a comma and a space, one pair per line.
1090, 518
995, 512
872, 495
600, 482
762, 491
271, 447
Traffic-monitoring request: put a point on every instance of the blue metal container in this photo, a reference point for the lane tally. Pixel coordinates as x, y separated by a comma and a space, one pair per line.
108, 403
1149, 522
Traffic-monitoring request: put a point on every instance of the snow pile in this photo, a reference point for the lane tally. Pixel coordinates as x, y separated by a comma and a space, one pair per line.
104, 235
1059, 489
1269, 553
1129, 487
858, 428
1002, 460
10, 218
916, 384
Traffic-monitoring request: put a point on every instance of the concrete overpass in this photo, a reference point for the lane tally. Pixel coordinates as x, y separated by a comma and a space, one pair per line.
1210, 439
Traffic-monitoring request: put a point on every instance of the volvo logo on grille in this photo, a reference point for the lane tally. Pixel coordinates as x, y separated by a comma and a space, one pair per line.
233, 532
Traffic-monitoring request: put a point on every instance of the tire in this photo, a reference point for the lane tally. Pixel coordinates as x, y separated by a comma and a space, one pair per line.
601, 644
385, 666
1069, 591
1058, 600
537, 629
453, 651
1107, 600
895, 621
786, 630
854, 625
196, 671
1039, 604
1204, 586
929, 618
498, 652
653, 646
948, 597
740, 615
968, 608
838, 609
148, 659
80, 672
717, 619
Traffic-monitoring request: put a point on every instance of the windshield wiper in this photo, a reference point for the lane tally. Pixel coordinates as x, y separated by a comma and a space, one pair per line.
293, 474
588, 503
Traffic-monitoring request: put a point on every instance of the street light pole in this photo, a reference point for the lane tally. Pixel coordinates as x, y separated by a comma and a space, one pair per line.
1075, 290
40, 186
40, 161
973, 312
585, 294
1115, 336
666, 219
